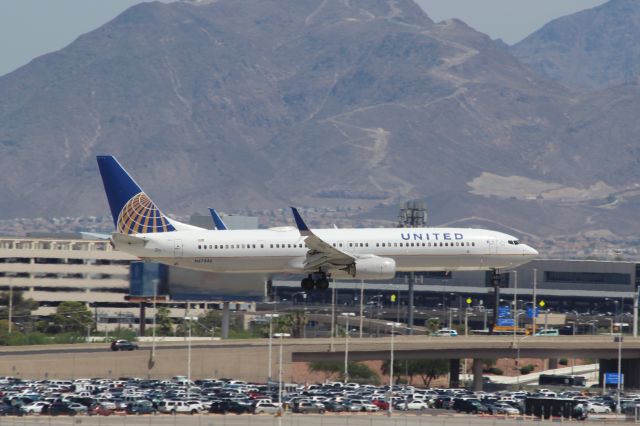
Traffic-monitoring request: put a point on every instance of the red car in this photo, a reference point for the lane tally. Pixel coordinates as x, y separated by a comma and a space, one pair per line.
99, 410
380, 403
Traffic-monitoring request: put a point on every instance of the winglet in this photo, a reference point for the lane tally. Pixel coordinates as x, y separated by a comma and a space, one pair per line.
217, 220
302, 227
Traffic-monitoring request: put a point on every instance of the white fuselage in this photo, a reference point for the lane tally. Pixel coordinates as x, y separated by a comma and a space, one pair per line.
282, 250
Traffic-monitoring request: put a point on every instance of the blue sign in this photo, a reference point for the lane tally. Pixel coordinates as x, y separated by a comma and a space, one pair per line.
612, 378
530, 312
505, 322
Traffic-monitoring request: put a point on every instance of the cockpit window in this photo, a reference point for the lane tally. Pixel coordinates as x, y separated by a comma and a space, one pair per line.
514, 242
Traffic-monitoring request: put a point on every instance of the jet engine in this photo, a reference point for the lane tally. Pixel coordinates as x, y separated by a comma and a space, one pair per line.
372, 268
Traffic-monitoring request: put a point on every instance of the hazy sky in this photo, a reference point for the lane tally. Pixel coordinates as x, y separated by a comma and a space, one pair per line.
29, 28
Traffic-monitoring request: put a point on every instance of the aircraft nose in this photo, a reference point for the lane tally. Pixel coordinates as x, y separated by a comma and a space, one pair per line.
529, 251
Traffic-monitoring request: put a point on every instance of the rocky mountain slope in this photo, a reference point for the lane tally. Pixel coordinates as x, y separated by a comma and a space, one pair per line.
593, 48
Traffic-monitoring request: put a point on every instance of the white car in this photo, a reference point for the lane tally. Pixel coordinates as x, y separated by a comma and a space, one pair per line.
412, 405
598, 408
268, 408
35, 407
176, 407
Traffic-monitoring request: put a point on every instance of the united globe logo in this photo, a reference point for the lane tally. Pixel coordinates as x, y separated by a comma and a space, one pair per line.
141, 216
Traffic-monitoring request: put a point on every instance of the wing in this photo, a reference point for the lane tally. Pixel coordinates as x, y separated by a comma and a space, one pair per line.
320, 254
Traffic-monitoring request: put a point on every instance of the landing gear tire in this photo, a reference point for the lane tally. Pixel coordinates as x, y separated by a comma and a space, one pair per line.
322, 284
307, 284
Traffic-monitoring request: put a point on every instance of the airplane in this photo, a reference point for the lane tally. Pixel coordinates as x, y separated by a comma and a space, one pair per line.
363, 254
217, 220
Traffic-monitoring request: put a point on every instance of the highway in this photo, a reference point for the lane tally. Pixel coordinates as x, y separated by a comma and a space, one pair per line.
247, 358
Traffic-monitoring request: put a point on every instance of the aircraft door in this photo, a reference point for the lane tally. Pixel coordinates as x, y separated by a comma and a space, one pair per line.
177, 248
493, 246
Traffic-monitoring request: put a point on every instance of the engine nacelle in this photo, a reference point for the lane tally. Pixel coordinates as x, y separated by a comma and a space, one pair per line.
373, 268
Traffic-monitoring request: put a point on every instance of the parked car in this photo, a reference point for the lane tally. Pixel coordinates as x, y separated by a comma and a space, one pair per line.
60, 408
224, 407
334, 407
100, 410
269, 408
598, 408
306, 407
141, 407
35, 407
469, 406
502, 408
123, 345
176, 407
412, 405
10, 410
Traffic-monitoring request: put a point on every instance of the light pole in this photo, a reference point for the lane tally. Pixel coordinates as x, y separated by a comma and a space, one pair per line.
153, 330
190, 319
10, 305
281, 336
361, 306
393, 326
270, 317
346, 346
333, 312
619, 339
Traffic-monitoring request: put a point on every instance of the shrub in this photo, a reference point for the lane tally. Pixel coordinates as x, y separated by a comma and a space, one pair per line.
563, 361
527, 369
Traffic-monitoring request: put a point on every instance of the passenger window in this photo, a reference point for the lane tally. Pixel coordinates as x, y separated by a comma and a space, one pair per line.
383, 245
199, 247
361, 245
473, 244
289, 245
440, 244
271, 245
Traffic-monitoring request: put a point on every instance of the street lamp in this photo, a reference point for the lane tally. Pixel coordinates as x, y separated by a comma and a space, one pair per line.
393, 326
281, 336
346, 346
270, 317
190, 319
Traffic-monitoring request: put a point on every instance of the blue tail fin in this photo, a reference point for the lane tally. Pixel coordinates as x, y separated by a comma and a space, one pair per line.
133, 211
217, 220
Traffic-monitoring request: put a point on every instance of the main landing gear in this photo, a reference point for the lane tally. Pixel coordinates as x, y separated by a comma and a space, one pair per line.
316, 280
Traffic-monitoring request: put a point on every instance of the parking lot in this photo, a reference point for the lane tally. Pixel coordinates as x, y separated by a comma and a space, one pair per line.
288, 420
179, 401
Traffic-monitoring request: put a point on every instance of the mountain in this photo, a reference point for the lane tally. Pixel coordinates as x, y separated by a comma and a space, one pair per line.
260, 104
593, 48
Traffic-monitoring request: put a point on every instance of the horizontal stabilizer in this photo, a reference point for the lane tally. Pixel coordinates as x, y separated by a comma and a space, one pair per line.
119, 238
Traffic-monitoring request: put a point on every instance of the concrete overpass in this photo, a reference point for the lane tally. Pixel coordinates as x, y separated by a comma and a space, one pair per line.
247, 359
